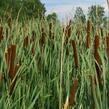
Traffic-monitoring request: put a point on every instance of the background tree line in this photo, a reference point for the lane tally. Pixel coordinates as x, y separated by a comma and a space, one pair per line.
34, 8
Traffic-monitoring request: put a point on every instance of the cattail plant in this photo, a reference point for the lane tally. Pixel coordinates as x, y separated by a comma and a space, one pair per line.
33, 36
13, 82
13, 55
107, 45
26, 42
0, 77
1, 34
33, 49
42, 39
88, 34
68, 31
97, 58
67, 34
75, 53
73, 91
10, 62
78, 34
50, 30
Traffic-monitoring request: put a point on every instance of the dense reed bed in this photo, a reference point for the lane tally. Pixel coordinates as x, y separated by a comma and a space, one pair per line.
49, 66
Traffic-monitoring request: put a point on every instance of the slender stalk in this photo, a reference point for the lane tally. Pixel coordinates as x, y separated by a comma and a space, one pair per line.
61, 72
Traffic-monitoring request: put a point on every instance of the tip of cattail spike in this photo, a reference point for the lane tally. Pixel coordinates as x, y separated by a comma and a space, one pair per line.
73, 91
88, 33
75, 53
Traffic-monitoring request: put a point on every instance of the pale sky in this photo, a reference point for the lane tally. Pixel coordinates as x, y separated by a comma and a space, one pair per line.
66, 8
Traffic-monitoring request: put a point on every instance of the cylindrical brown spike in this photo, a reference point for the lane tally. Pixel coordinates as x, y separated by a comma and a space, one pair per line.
42, 40
1, 34
67, 51
107, 46
75, 53
88, 34
13, 54
50, 30
0, 77
73, 91
26, 42
32, 49
33, 36
97, 41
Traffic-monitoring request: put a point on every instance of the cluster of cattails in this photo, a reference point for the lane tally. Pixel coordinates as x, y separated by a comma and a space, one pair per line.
42, 39
75, 53
1, 33
88, 33
28, 41
11, 67
97, 58
107, 45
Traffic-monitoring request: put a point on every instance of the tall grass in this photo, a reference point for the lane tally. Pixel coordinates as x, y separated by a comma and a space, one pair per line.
39, 71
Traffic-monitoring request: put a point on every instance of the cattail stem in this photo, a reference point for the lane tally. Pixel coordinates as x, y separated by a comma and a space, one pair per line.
88, 34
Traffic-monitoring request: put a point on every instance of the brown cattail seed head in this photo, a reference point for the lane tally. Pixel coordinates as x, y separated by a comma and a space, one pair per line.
107, 45
75, 53
0, 77
26, 42
96, 42
1, 34
13, 54
73, 91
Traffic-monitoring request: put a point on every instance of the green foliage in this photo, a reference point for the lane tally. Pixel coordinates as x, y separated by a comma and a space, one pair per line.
96, 14
79, 15
29, 8
52, 17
